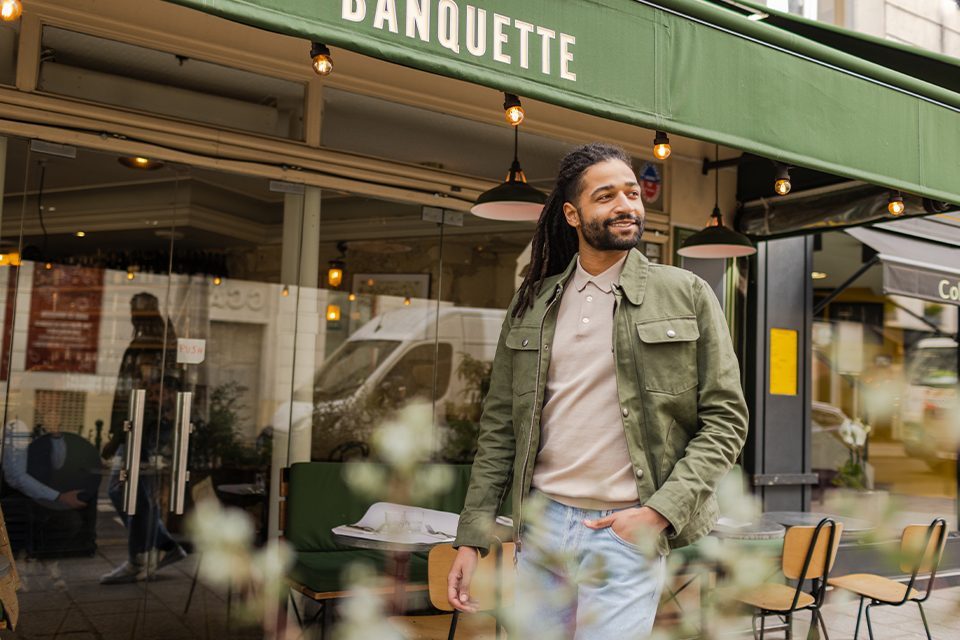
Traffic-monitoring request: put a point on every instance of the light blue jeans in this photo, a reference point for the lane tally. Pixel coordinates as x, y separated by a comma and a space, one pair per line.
581, 583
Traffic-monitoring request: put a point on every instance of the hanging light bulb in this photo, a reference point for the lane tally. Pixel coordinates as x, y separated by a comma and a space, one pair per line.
715, 240
512, 109
514, 199
285, 291
217, 281
661, 146
781, 183
895, 204
10, 10
352, 297
322, 60
406, 301
333, 313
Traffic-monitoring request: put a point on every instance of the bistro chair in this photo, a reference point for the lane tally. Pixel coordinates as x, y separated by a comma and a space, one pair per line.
491, 585
921, 548
808, 554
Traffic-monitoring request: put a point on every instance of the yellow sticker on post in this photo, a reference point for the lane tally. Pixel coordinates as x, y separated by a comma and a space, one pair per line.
783, 362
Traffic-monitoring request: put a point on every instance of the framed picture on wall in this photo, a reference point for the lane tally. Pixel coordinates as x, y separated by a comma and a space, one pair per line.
404, 285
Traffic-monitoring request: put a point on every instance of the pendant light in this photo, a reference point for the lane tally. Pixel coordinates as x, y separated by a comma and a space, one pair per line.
513, 200
715, 240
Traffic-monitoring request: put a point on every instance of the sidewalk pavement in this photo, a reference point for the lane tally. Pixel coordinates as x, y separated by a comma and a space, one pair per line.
889, 623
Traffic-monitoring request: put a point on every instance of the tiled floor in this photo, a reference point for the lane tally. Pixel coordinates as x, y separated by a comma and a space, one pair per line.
64, 599
893, 623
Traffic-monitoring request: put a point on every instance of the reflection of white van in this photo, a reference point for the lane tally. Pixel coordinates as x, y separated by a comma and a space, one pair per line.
931, 407
389, 362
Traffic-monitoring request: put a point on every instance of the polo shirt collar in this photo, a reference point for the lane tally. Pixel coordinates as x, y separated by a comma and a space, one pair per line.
603, 281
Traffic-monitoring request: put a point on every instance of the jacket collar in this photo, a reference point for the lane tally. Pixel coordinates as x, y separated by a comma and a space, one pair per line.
633, 278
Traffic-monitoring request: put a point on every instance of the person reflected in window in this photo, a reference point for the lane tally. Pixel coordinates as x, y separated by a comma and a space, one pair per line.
149, 363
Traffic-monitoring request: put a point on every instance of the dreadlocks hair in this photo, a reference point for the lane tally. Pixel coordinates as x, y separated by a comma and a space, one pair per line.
555, 242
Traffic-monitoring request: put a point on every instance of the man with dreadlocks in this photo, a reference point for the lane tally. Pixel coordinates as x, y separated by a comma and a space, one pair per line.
614, 402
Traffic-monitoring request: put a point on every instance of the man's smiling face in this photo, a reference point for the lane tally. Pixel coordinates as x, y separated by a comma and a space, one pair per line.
608, 212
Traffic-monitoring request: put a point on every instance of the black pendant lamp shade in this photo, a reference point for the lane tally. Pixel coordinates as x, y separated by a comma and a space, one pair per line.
513, 200
715, 240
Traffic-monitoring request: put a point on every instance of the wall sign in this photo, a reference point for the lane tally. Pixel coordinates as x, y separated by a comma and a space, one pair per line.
783, 362
64, 329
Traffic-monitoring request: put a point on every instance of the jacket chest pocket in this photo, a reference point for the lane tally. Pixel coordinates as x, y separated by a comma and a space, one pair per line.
668, 354
523, 343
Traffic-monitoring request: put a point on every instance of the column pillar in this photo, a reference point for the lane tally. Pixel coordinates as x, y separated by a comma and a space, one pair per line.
299, 329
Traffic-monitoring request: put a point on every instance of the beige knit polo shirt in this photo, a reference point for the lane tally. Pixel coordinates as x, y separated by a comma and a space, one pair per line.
583, 459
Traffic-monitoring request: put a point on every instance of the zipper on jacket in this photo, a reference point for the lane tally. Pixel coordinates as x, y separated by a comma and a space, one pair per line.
533, 414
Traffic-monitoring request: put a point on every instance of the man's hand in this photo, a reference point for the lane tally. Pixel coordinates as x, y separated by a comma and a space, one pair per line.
71, 499
458, 582
631, 524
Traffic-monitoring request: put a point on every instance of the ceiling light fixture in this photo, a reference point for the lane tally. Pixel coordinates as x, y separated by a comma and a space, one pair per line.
81, 234
10, 10
322, 60
139, 162
715, 240
512, 109
661, 146
513, 200
818, 275
895, 204
781, 182
336, 266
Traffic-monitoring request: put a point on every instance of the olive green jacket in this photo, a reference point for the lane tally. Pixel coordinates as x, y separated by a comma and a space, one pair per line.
679, 385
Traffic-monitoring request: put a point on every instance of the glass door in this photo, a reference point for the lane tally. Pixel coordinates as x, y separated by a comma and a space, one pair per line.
149, 327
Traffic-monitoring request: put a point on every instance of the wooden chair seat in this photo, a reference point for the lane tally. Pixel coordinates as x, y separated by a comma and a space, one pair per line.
874, 587
476, 626
775, 597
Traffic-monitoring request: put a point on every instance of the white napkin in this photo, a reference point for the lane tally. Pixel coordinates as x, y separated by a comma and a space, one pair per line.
442, 522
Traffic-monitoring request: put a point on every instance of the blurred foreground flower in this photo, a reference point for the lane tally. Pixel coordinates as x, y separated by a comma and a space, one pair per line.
224, 538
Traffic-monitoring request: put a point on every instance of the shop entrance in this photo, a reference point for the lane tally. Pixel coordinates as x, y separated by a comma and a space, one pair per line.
138, 373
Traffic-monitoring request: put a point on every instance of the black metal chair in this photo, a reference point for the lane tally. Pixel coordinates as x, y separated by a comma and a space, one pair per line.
921, 548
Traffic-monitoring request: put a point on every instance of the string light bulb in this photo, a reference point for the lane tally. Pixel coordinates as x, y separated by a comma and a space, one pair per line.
322, 60
10, 10
895, 204
512, 109
661, 146
781, 184
217, 281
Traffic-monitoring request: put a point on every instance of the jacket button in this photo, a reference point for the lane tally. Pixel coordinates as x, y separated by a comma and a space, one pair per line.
525, 342
639, 472
671, 333
624, 412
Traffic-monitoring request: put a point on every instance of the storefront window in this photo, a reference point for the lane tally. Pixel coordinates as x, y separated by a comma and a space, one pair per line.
884, 391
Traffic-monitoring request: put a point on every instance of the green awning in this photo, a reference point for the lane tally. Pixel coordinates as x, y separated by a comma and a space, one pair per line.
685, 66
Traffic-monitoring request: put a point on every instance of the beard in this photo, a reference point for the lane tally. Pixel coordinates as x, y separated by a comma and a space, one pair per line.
598, 235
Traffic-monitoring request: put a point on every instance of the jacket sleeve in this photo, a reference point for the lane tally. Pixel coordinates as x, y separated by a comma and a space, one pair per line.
721, 416
496, 446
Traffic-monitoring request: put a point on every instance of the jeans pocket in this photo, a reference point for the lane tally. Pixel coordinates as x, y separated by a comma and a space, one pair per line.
625, 543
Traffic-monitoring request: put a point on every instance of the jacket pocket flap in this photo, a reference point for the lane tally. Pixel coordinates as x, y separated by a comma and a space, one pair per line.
523, 338
682, 329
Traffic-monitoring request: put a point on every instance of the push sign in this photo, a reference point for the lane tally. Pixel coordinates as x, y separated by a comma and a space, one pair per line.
191, 350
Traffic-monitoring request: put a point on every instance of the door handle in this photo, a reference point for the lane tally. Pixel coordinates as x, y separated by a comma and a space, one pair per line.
130, 473
181, 446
